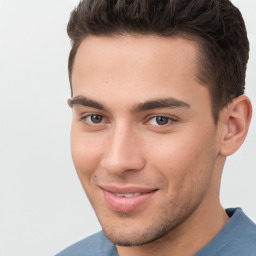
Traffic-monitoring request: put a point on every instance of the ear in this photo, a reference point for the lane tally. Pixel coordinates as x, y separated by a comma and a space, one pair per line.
235, 120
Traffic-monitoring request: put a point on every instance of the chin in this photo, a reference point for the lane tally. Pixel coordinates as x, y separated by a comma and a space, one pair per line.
136, 238
142, 234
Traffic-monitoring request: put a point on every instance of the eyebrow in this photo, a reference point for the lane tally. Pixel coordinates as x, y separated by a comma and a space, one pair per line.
84, 101
140, 107
161, 103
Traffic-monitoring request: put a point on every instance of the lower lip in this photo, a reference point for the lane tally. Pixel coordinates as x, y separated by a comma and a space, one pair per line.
126, 204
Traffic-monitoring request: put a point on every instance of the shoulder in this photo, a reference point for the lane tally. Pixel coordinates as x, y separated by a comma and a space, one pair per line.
241, 223
244, 233
238, 237
95, 245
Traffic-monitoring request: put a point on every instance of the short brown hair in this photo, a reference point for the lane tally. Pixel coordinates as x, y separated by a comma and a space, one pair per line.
217, 26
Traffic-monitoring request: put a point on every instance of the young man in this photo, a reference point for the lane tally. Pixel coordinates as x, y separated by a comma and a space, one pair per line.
158, 104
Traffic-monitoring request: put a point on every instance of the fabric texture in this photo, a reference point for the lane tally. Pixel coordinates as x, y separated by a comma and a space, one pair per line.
237, 238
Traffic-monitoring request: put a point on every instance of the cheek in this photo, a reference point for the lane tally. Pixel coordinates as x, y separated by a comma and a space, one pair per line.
186, 161
86, 153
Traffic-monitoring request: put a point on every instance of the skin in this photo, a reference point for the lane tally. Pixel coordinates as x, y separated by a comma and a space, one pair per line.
124, 145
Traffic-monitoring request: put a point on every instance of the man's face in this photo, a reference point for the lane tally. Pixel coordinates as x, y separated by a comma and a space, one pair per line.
143, 139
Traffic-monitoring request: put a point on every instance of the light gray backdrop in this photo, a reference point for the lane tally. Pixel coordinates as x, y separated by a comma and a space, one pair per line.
42, 205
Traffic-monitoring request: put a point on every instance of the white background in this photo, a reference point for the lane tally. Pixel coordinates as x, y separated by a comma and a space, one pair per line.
43, 208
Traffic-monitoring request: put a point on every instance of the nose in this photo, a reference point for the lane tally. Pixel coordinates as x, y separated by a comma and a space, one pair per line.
123, 152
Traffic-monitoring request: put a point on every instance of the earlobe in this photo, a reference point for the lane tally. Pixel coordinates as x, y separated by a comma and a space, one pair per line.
237, 120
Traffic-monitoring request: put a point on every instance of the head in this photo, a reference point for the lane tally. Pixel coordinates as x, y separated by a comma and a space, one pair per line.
157, 106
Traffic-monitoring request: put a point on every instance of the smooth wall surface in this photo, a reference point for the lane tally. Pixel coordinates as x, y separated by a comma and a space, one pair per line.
43, 208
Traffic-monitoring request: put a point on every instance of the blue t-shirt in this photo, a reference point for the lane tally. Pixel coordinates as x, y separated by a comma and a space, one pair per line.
237, 238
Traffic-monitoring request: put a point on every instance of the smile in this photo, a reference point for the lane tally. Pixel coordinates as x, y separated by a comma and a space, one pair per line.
127, 199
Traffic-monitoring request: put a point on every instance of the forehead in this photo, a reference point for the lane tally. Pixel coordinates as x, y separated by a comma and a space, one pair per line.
150, 51
136, 67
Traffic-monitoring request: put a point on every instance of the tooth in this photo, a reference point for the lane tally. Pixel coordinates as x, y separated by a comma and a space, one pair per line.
120, 195
128, 195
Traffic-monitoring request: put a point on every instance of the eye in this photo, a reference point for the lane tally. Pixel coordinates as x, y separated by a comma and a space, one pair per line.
160, 120
93, 119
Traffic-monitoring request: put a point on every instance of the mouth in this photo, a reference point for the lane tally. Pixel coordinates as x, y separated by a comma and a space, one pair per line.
127, 199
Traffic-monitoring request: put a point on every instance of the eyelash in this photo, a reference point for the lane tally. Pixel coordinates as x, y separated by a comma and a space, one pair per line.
169, 120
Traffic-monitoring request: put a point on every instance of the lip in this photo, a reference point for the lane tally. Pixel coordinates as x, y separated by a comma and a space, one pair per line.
126, 204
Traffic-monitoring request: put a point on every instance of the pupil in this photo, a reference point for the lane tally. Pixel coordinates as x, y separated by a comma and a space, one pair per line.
96, 119
161, 120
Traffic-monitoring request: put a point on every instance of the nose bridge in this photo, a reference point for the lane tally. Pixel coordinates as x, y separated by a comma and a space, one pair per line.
123, 152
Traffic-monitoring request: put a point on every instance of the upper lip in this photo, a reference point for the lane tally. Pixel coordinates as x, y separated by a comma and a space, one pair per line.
127, 189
